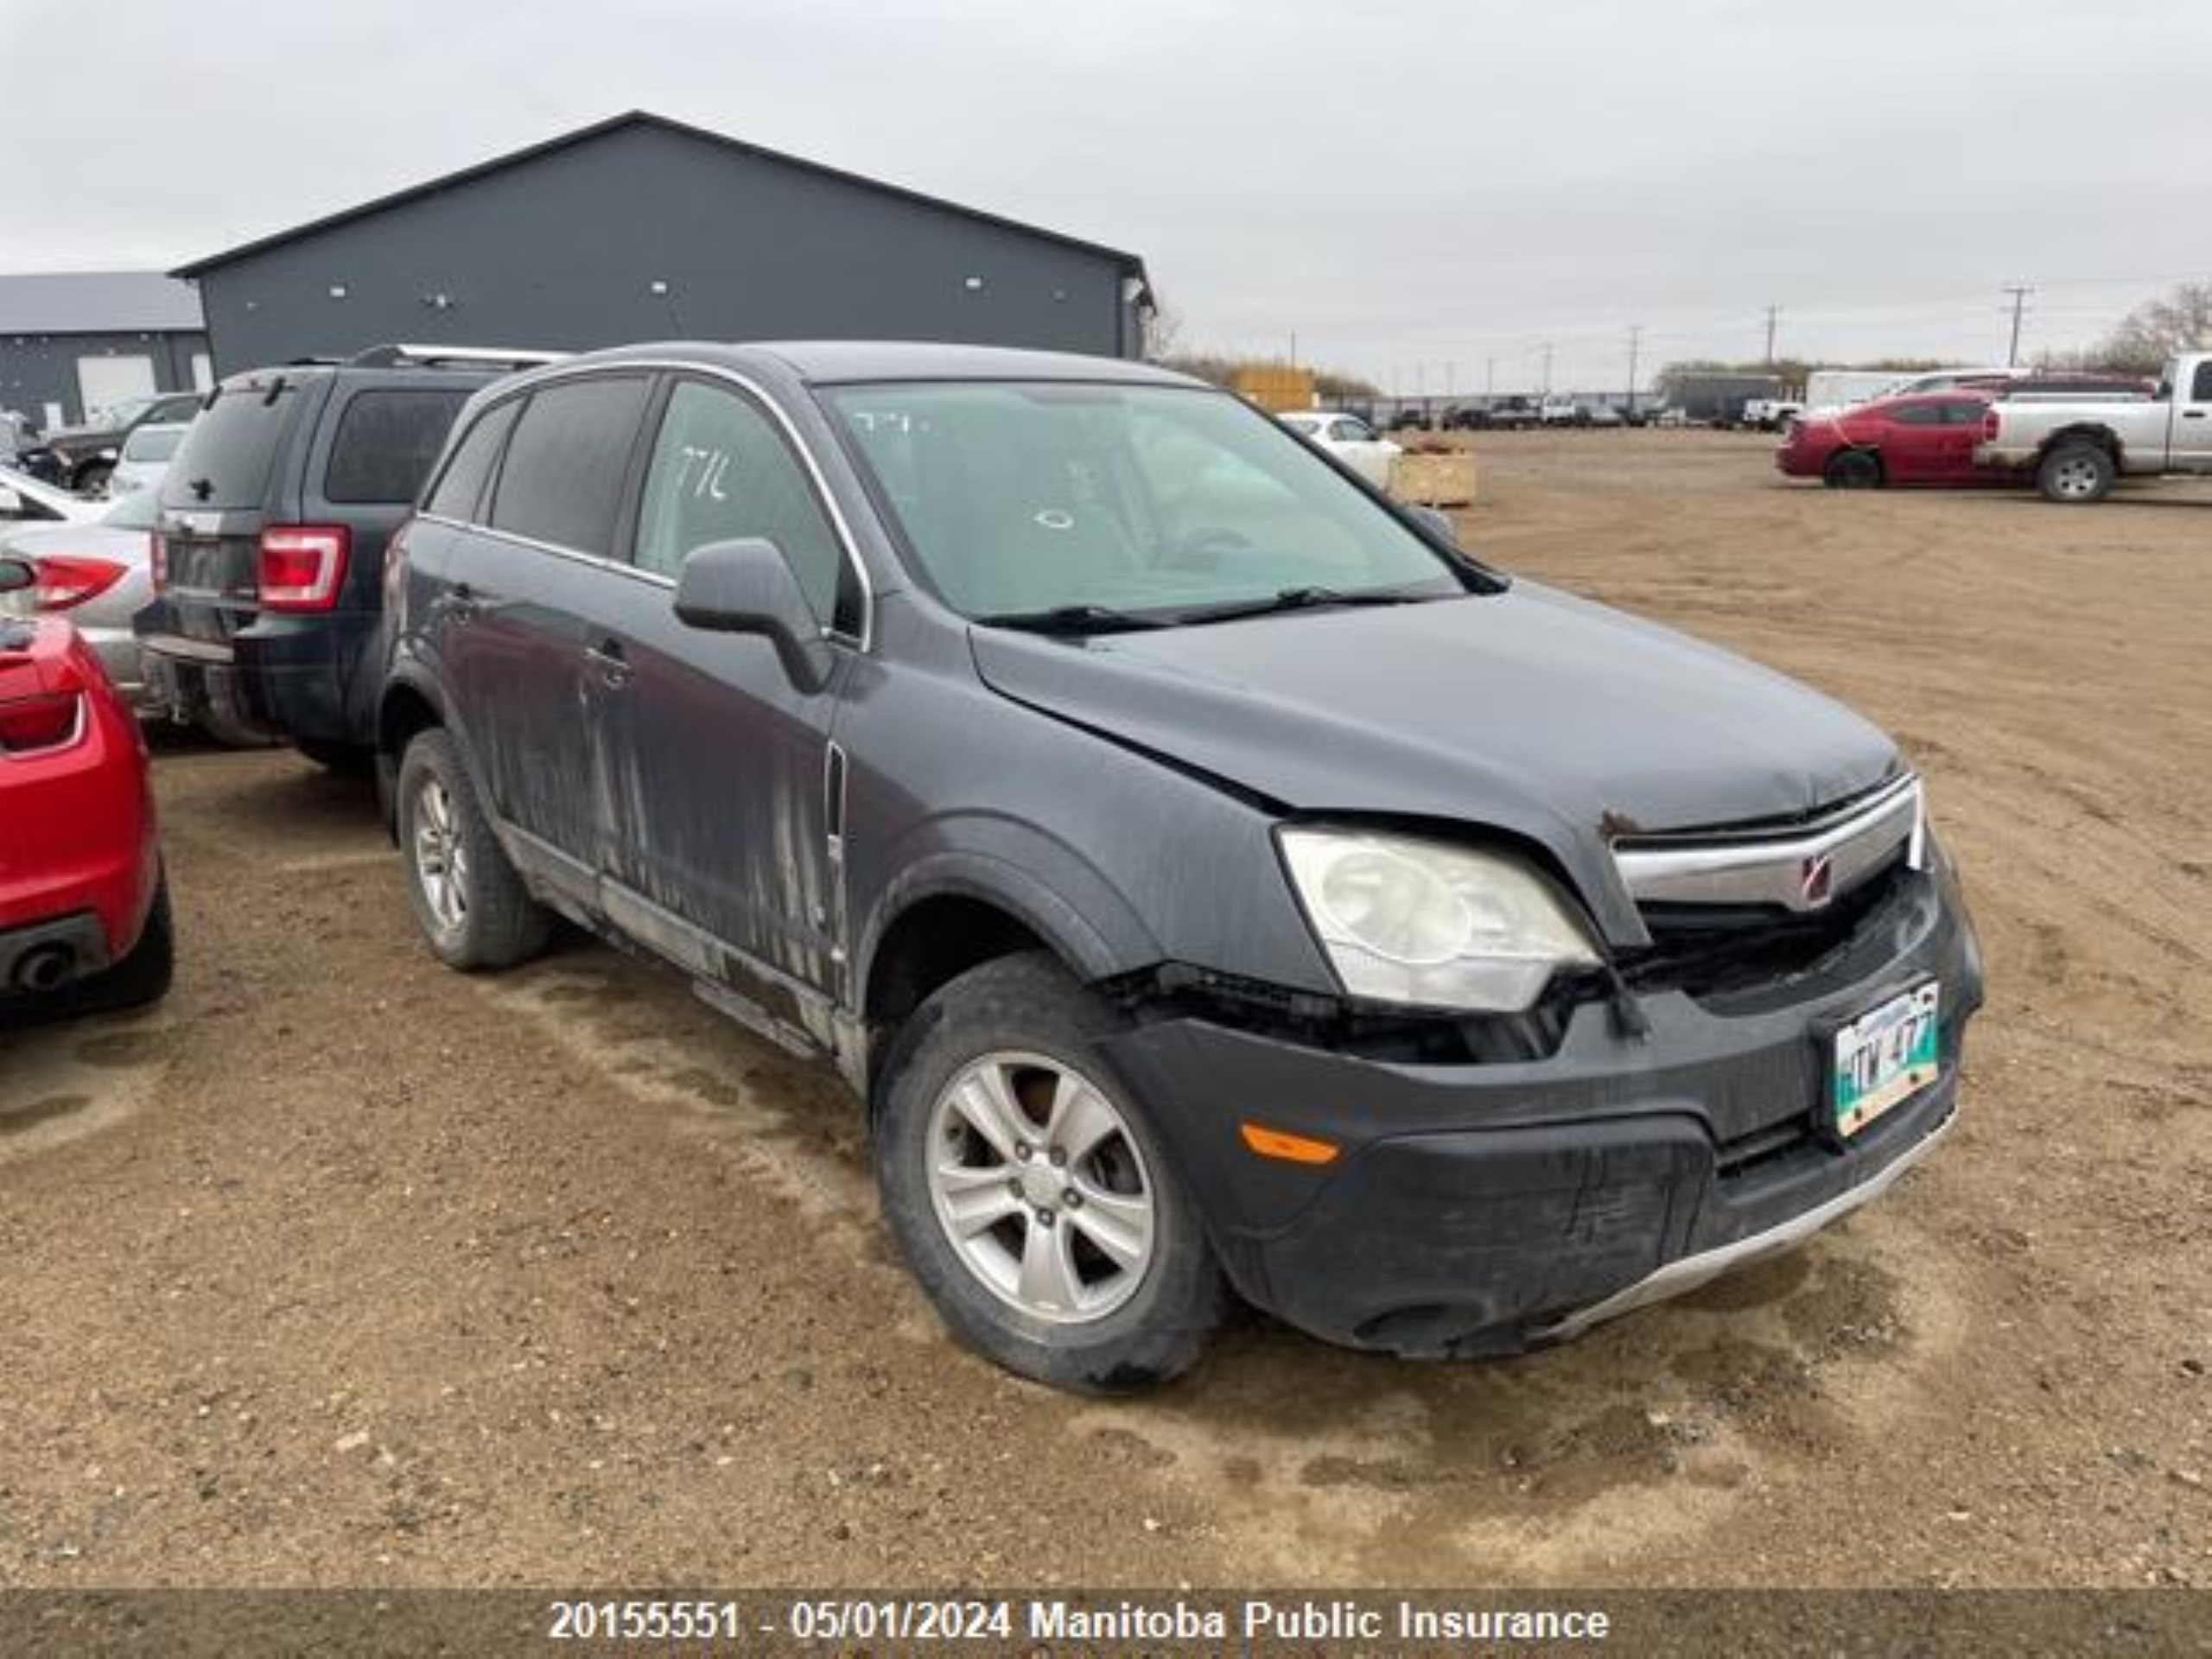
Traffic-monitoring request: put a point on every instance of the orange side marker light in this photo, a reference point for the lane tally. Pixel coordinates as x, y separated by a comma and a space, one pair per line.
1288, 1148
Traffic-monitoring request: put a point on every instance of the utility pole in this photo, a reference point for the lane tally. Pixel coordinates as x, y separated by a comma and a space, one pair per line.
1635, 339
1547, 368
2020, 291
1489, 379
1772, 313
1294, 348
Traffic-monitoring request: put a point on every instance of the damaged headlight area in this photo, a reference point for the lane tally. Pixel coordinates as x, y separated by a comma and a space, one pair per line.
1426, 924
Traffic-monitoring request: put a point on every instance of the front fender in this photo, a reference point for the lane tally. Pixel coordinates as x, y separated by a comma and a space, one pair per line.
1044, 883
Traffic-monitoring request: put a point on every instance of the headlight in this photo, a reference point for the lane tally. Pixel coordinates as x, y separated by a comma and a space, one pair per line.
1408, 920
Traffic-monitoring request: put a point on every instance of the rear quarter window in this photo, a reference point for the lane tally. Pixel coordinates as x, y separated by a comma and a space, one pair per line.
387, 443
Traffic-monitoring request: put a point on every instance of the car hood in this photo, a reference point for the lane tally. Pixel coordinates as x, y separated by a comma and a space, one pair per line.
1527, 711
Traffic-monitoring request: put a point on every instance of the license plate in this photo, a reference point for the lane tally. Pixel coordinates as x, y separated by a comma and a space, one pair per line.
1883, 1057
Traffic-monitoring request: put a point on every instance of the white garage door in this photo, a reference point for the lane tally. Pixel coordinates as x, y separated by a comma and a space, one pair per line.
102, 381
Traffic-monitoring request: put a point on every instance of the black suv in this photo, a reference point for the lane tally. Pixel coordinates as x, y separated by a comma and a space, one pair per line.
269, 558
1205, 872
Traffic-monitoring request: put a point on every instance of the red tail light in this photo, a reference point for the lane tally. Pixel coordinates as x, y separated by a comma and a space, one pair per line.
65, 582
160, 552
40, 722
303, 566
1990, 424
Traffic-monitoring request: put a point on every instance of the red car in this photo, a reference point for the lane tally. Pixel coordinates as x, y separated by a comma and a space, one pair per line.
1928, 438
84, 914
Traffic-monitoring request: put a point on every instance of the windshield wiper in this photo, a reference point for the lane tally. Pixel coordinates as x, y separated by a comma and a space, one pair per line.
1072, 619
1303, 599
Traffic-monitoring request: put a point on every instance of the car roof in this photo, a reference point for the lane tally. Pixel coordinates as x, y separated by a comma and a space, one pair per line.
843, 362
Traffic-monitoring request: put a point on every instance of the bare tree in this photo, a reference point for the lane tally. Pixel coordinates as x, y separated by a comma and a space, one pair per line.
2178, 320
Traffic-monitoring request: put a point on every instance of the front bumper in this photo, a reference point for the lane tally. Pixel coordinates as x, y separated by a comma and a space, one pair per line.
1488, 1208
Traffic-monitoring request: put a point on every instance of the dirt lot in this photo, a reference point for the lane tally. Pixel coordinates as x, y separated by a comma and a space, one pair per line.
342, 1268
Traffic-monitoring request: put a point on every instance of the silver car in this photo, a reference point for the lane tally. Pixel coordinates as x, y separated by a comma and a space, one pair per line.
108, 562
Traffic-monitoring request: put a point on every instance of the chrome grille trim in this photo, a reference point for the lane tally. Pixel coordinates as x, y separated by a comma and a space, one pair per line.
1779, 867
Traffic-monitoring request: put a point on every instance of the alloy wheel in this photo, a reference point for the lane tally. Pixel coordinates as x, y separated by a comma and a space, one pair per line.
1040, 1187
440, 860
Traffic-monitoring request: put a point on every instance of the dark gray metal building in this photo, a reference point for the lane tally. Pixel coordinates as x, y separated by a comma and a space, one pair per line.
74, 341
643, 228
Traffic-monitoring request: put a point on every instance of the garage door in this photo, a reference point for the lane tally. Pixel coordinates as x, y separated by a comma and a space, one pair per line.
102, 381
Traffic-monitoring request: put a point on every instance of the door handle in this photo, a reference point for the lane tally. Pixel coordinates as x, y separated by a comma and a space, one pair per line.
2192, 414
612, 667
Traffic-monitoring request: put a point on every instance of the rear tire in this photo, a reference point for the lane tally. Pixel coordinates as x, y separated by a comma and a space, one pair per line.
470, 903
2076, 472
995, 1083
1852, 469
233, 733
347, 758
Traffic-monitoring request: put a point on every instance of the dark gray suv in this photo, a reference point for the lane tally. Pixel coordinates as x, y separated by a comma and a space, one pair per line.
1208, 875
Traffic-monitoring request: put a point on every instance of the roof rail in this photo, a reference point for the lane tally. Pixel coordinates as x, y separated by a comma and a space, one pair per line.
404, 356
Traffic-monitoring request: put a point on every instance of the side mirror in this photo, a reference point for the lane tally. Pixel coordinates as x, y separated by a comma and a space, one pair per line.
1438, 524
16, 574
747, 586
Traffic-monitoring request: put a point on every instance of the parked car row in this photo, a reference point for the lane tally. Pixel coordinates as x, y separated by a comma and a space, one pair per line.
2073, 447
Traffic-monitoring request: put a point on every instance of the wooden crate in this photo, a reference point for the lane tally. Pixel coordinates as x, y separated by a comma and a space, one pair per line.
1443, 479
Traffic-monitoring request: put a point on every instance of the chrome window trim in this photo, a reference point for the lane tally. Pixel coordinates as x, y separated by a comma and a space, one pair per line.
863, 642
1769, 866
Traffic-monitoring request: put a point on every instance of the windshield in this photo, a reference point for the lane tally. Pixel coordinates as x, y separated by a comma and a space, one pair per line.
1020, 498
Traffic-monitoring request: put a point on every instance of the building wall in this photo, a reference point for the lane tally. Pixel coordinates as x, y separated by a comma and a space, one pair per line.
563, 252
36, 370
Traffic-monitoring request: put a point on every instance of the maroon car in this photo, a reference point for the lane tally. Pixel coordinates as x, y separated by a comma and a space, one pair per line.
1927, 439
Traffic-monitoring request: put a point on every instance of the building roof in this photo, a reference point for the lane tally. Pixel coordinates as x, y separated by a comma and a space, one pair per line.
645, 118
98, 302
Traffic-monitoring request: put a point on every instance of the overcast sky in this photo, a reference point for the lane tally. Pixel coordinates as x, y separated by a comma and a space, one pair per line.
1416, 190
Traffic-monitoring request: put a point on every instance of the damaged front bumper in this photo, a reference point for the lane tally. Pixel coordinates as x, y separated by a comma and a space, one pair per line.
1490, 1207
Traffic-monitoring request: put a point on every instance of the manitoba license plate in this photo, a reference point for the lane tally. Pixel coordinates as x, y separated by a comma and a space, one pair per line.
1885, 1057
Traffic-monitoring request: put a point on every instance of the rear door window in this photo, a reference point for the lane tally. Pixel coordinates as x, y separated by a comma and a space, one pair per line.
460, 490
567, 462
226, 458
2199, 391
386, 442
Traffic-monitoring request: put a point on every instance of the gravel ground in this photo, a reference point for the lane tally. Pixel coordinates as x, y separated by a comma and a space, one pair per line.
341, 1268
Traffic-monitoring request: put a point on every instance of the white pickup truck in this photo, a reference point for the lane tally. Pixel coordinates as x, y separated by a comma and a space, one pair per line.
2079, 450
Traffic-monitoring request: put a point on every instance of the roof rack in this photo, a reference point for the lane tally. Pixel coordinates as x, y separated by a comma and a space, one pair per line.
428, 357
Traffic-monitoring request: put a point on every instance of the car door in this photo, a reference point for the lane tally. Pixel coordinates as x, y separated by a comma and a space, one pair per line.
518, 602
1911, 443
1955, 439
719, 768
2192, 420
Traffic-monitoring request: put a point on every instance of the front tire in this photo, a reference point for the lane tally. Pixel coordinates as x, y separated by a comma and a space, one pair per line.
1852, 469
2076, 472
1029, 1192
470, 903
